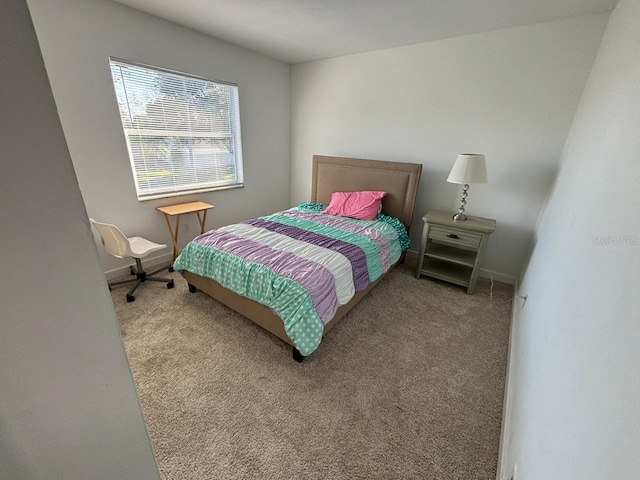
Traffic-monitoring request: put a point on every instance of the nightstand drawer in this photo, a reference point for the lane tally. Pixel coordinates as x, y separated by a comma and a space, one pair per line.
454, 236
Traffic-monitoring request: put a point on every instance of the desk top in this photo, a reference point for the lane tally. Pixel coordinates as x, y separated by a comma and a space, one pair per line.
182, 208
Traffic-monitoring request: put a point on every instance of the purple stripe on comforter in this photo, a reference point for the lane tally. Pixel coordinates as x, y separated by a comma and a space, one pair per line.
347, 226
354, 253
313, 277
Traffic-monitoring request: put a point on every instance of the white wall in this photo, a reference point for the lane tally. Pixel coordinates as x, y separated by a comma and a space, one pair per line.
78, 36
68, 405
574, 388
510, 94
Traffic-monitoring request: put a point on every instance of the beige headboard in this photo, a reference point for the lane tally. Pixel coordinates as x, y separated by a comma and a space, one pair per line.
339, 174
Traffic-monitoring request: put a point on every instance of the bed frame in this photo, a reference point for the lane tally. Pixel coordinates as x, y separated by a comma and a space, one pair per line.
331, 174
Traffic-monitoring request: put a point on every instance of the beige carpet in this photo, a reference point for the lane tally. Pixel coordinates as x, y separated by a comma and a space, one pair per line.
409, 386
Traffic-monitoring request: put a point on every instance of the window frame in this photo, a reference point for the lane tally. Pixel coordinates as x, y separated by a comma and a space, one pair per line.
235, 136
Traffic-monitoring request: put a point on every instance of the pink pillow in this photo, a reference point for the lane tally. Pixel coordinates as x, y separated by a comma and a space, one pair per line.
360, 205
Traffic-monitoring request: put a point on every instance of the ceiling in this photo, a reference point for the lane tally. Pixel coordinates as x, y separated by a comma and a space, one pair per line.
296, 31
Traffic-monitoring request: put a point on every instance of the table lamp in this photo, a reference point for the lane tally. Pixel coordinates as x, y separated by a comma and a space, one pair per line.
469, 168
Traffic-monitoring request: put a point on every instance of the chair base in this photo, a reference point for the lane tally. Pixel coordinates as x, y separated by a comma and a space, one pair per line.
141, 277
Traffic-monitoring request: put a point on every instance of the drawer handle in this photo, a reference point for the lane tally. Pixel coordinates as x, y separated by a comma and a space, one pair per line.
453, 235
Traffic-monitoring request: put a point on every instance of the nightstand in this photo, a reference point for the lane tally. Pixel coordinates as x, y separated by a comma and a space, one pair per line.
453, 251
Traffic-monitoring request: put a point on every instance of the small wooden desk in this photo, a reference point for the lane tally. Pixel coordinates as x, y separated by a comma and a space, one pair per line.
183, 209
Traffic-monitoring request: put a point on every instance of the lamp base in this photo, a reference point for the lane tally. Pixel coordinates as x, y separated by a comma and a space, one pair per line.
460, 216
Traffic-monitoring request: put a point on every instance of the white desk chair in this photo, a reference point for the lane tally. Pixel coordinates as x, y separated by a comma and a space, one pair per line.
119, 245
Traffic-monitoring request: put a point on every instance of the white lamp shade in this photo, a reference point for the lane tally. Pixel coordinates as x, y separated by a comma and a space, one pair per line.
469, 168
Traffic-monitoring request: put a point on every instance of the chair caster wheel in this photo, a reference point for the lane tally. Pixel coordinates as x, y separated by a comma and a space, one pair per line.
130, 298
132, 271
170, 284
192, 288
171, 269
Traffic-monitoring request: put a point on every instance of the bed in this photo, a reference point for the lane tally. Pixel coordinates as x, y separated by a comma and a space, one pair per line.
330, 174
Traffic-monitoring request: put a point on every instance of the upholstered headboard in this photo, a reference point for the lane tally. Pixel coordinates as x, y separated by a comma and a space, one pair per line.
339, 174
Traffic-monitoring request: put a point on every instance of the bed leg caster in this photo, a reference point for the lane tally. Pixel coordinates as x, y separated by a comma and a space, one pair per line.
192, 288
297, 356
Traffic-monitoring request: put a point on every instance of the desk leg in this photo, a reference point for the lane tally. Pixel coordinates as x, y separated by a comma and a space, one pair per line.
174, 234
202, 220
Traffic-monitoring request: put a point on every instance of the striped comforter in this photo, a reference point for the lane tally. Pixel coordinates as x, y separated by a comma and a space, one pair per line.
303, 265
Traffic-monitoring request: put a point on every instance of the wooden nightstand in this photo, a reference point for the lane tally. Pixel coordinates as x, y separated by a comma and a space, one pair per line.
453, 251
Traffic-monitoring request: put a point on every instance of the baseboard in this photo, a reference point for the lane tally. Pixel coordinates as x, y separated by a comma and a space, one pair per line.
411, 259
147, 263
504, 470
498, 277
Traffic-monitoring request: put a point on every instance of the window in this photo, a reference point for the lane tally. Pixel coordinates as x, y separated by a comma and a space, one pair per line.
182, 132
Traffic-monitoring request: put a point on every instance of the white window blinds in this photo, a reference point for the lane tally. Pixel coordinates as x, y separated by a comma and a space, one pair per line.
182, 132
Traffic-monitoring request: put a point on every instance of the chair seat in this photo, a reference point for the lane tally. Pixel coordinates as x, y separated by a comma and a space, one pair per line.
141, 247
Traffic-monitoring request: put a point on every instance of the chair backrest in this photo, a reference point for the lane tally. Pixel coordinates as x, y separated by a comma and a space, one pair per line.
115, 242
